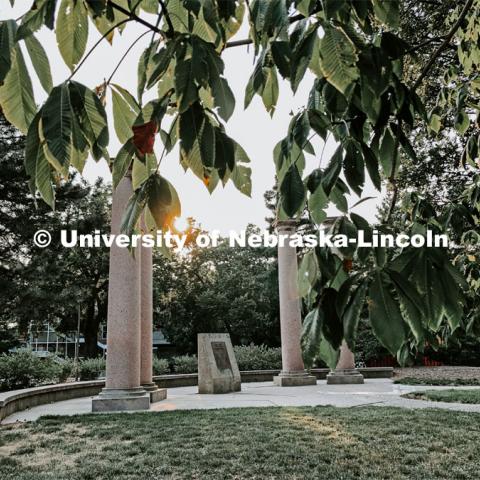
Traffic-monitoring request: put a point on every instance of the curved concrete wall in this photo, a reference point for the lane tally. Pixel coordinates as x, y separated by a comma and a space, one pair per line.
17, 400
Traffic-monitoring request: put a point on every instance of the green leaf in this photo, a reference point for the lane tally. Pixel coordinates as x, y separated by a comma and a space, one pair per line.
241, 174
133, 210
80, 146
32, 145
302, 55
411, 304
190, 126
354, 168
185, 87
371, 163
333, 170
311, 335
328, 354
7, 34
385, 315
462, 122
123, 116
270, 91
41, 13
16, 94
123, 161
338, 59
43, 178
317, 203
292, 191
90, 113
143, 62
223, 97
72, 31
351, 314
307, 273
387, 12
57, 124
159, 200
40, 62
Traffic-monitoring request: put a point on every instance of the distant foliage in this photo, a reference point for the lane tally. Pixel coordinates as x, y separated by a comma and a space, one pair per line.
24, 369
185, 364
91, 368
160, 366
258, 357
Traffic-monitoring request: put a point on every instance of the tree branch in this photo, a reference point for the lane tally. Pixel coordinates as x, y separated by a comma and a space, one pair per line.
392, 179
444, 44
133, 16
171, 29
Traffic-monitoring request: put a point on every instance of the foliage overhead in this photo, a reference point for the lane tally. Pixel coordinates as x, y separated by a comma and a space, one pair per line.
361, 96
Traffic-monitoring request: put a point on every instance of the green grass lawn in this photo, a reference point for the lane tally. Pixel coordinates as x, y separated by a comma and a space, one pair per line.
456, 396
248, 443
454, 382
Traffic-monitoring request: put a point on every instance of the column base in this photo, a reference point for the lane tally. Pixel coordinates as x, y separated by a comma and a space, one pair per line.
294, 379
121, 400
156, 394
345, 377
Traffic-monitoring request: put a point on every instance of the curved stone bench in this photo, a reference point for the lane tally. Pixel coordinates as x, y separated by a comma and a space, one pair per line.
17, 400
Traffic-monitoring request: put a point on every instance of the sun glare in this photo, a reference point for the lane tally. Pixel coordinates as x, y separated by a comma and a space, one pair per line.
181, 224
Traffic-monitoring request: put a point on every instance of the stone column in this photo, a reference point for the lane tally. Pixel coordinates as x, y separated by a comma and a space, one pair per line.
122, 386
293, 370
345, 371
146, 315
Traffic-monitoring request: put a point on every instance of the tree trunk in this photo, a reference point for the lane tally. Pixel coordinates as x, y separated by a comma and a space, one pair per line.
90, 332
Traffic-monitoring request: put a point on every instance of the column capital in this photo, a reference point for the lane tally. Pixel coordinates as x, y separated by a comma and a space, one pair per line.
285, 225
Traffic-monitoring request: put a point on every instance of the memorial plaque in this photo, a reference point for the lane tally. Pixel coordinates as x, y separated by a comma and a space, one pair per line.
217, 367
221, 356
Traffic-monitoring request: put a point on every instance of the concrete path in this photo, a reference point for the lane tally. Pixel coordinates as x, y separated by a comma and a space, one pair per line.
265, 394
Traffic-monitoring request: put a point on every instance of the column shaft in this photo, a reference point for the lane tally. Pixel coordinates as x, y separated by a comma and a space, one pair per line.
293, 369
122, 384
146, 317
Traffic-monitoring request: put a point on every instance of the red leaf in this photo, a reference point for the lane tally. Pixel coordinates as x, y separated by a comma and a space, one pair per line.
144, 136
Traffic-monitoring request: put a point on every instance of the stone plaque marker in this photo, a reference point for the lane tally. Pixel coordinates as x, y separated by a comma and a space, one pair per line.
221, 356
217, 367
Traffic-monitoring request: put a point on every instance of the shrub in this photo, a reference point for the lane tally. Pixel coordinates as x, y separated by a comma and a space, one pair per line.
160, 366
24, 369
185, 364
66, 368
91, 368
258, 357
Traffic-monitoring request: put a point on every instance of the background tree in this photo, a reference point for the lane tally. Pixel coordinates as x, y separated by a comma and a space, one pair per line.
40, 285
218, 289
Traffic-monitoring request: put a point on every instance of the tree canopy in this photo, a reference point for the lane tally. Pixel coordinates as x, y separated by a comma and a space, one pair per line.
369, 94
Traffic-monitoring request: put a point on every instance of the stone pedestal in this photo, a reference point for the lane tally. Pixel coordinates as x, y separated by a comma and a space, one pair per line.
293, 370
122, 383
146, 325
345, 372
217, 367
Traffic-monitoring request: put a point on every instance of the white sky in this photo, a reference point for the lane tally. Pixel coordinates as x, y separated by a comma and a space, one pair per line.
226, 209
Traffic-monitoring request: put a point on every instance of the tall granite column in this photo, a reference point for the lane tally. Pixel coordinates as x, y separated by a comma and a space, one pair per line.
345, 371
146, 315
293, 370
122, 386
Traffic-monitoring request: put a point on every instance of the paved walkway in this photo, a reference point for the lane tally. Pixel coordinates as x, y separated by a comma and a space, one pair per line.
265, 394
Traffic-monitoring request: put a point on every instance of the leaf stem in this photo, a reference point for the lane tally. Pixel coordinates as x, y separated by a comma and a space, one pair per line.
125, 54
105, 35
133, 16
